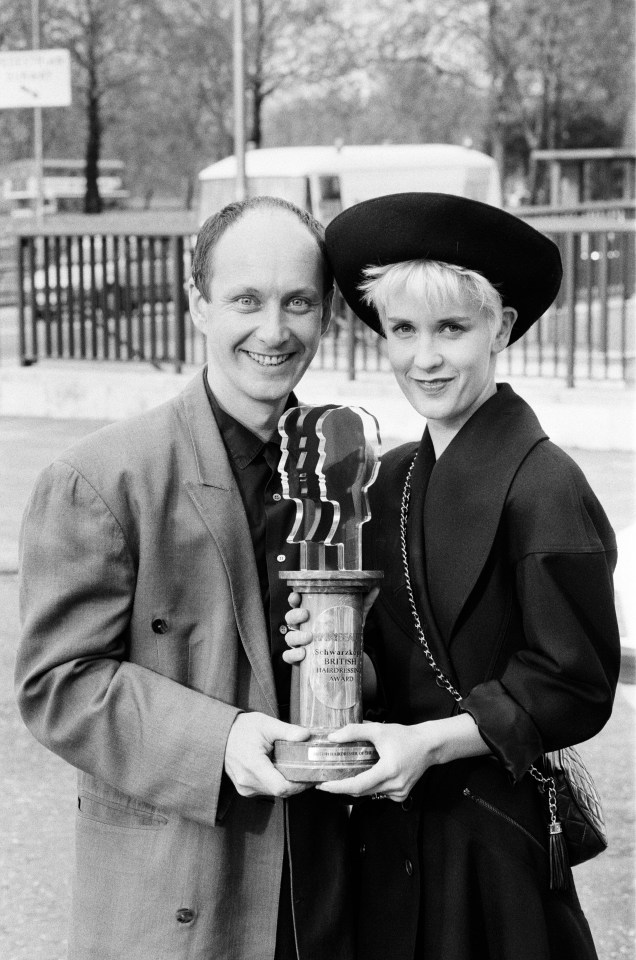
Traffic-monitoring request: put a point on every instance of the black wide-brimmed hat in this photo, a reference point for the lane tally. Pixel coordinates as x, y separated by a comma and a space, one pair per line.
522, 264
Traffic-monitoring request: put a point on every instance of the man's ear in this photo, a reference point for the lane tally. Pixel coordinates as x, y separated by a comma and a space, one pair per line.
198, 303
326, 313
502, 336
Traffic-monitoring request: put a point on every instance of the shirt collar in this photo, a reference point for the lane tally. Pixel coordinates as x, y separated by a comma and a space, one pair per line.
242, 445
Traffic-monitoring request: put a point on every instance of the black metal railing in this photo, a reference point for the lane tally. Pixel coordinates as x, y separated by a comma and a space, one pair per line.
122, 297
106, 297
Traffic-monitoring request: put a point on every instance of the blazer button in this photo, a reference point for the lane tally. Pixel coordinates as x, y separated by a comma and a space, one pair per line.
363, 848
159, 626
408, 866
408, 803
185, 915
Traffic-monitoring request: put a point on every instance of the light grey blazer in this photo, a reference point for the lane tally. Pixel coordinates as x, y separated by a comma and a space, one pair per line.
143, 636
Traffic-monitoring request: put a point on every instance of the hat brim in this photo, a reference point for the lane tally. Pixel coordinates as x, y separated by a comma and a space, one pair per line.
521, 263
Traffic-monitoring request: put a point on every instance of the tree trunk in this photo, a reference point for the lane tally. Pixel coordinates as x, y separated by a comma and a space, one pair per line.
92, 198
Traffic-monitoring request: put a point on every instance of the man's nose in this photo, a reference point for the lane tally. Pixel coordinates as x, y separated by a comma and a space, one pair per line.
273, 328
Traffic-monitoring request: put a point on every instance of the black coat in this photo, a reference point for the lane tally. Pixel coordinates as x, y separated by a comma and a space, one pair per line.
511, 559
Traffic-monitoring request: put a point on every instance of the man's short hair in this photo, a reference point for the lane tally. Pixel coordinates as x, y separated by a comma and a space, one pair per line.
216, 225
435, 284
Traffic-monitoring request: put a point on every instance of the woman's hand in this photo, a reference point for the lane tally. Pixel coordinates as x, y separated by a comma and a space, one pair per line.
406, 752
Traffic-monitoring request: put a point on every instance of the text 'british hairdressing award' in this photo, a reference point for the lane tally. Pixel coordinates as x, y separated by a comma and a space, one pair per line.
329, 459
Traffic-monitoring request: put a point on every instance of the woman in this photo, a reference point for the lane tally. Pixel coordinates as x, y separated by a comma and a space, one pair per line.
509, 558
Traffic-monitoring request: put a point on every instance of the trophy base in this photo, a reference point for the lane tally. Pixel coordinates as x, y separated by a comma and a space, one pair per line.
317, 760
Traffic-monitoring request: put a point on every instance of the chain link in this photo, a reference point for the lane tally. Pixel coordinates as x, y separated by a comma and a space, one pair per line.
442, 680
552, 794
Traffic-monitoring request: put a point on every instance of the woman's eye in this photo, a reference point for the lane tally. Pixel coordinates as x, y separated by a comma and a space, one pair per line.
402, 329
453, 328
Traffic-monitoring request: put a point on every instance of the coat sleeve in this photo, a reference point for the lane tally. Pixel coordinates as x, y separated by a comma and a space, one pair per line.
80, 696
558, 688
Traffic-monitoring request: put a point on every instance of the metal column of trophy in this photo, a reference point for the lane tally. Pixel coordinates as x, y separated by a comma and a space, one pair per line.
329, 459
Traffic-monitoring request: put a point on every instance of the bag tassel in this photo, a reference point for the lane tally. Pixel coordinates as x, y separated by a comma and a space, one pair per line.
560, 872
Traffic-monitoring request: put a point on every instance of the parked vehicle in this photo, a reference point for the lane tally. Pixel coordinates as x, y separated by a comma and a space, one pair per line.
326, 180
63, 185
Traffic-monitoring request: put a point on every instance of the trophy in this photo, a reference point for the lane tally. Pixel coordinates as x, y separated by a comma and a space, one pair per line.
329, 459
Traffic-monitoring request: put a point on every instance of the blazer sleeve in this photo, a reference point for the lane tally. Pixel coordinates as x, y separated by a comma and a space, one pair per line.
80, 696
558, 688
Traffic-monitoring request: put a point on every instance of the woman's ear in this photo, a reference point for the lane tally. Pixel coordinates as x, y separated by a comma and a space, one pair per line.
502, 336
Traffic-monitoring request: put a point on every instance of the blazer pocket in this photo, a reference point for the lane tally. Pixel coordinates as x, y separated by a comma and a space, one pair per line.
118, 815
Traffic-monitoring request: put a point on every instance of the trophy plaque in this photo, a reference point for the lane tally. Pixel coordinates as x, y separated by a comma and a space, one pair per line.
329, 459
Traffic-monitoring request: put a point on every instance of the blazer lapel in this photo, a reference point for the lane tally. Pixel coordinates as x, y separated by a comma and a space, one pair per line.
217, 498
466, 495
418, 555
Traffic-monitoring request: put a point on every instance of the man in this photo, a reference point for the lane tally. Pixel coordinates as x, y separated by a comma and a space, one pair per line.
153, 632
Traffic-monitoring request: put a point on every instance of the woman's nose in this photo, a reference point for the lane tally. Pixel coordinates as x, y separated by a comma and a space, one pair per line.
427, 355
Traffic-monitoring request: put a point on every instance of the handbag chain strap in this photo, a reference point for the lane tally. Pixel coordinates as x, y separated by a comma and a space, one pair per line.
441, 678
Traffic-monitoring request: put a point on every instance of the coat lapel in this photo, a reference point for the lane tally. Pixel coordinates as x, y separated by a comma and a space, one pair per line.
466, 495
217, 498
418, 555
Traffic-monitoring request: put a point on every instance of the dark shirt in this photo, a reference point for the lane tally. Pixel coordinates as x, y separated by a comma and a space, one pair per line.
270, 517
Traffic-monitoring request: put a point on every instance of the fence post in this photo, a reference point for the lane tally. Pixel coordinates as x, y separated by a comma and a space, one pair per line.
351, 343
178, 301
21, 318
570, 304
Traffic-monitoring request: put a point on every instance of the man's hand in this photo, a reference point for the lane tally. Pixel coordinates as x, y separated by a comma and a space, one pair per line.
247, 755
296, 638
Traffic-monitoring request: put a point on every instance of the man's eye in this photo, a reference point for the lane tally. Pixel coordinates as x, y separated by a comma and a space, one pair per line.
246, 301
453, 328
299, 303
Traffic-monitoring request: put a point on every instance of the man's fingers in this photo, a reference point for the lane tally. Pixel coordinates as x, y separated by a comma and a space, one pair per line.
298, 638
296, 616
294, 656
294, 599
288, 731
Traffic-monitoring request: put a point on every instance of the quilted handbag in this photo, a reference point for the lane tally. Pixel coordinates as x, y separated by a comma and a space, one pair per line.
576, 828
578, 805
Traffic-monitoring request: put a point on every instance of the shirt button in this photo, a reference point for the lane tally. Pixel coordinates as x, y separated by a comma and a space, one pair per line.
281, 557
276, 497
408, 866
159, 626
185, 916
363, 848
282, 629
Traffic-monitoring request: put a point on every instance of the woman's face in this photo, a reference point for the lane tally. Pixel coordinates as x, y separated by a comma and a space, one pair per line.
444, 359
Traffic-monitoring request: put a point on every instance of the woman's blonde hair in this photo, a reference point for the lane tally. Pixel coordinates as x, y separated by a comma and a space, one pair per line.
434, 283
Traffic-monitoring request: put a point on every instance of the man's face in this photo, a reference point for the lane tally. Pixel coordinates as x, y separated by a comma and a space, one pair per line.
265, 314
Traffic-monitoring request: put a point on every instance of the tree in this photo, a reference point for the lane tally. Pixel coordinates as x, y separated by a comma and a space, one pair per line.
102, 36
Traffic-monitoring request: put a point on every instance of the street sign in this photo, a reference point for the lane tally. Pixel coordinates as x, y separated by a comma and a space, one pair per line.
35, 78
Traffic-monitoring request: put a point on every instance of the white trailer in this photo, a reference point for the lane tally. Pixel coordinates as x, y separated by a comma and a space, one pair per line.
326, 180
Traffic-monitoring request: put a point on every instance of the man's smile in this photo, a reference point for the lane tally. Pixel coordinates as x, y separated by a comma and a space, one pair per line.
269, 359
